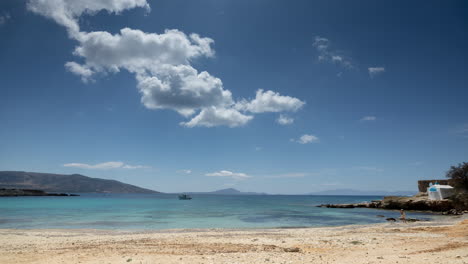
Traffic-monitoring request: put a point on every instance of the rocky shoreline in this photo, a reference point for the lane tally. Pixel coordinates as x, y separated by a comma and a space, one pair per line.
419, 202
29, 192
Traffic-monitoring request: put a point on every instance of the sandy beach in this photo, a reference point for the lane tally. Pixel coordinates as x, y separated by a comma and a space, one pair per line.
423, 242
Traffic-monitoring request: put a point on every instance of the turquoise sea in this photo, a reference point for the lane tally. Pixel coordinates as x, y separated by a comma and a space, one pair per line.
165, 211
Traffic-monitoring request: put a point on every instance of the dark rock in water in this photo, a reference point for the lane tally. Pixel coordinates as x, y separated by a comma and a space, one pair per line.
453, 212
358, 205
340, 206
391, 219
380, 215
57, 194
29, 192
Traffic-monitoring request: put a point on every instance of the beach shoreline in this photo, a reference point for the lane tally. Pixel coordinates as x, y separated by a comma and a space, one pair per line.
441, 241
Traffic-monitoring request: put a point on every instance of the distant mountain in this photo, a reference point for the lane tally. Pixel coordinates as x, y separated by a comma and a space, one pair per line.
74, 183
357, 192
229, 191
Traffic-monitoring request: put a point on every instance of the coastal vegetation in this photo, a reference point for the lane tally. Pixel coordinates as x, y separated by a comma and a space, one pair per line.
459, 179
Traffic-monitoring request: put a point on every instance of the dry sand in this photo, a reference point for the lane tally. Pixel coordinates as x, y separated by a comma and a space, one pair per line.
434, 242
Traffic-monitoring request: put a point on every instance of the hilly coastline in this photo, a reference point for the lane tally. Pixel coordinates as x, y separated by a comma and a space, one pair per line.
73, 183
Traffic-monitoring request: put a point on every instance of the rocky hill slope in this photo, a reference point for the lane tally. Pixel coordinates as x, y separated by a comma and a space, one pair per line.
74, 183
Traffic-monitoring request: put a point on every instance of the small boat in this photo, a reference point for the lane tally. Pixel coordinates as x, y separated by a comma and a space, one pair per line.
184, 197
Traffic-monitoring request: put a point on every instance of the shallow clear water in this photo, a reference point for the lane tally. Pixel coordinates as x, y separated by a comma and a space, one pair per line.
165, 211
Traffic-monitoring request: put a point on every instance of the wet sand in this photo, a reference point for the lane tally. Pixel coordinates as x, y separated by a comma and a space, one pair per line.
421, 242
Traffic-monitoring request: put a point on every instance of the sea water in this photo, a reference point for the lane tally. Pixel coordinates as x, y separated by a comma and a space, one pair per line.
166, 211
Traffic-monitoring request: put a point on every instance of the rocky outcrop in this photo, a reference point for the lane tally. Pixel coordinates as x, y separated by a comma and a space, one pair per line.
29, 192
419, 202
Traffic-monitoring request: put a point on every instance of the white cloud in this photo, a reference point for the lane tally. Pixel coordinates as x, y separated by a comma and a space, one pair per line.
270, 101
212, 116
67, 12
373, 71
225, 173
368, 118
284, 120
185, 171
182, 89
81, 70
306, 139
126, 166
161, 64
327, 54
105, 166
4, 18
140, 52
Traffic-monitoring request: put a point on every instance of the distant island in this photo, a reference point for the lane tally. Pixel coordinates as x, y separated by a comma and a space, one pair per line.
232, 191
62, 183
352, 192
228, 191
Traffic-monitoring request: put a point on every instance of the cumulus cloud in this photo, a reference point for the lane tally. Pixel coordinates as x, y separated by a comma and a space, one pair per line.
140, 52
105, 166
4, 18
327, 54
285, 120
185, 171
210, 117
269, 101
161, 64
225, 173
368, 118
373, 71
306, 139
80, 70
183, 89
67, 12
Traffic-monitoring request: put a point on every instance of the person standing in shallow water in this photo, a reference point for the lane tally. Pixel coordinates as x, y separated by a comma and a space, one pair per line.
402, 215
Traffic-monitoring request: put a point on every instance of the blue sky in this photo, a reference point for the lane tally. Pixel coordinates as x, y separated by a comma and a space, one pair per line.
271, 96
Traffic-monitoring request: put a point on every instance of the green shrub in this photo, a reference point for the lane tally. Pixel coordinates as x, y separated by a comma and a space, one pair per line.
459, 176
